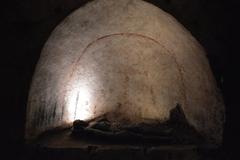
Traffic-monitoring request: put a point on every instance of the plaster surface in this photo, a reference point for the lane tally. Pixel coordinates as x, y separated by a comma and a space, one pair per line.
126, 57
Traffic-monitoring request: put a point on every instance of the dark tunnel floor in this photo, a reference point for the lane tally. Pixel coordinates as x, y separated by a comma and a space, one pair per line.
60, 145
63, 139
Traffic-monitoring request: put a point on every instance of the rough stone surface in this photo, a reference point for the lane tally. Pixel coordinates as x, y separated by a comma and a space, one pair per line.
126, 57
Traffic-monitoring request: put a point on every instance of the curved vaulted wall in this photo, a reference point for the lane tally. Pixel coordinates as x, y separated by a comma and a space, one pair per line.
127, 57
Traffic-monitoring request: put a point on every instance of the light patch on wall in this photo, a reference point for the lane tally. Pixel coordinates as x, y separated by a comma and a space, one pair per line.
78, 103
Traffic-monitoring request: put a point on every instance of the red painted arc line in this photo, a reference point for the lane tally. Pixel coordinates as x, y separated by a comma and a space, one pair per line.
179, 66
111, 35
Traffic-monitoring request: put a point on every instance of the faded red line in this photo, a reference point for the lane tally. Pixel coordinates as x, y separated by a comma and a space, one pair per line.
111, 35
179, 66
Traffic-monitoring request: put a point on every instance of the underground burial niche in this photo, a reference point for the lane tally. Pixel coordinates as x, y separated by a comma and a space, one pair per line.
125, 71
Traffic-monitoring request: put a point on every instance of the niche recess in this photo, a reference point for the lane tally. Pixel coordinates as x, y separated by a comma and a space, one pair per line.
127, 57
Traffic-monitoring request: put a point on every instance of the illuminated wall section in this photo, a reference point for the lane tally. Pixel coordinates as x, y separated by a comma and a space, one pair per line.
126, 57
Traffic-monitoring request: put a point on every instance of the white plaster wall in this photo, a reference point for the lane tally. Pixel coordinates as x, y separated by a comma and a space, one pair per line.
127, 57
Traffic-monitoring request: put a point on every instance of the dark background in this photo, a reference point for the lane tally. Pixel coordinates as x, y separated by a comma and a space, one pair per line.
27, 24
